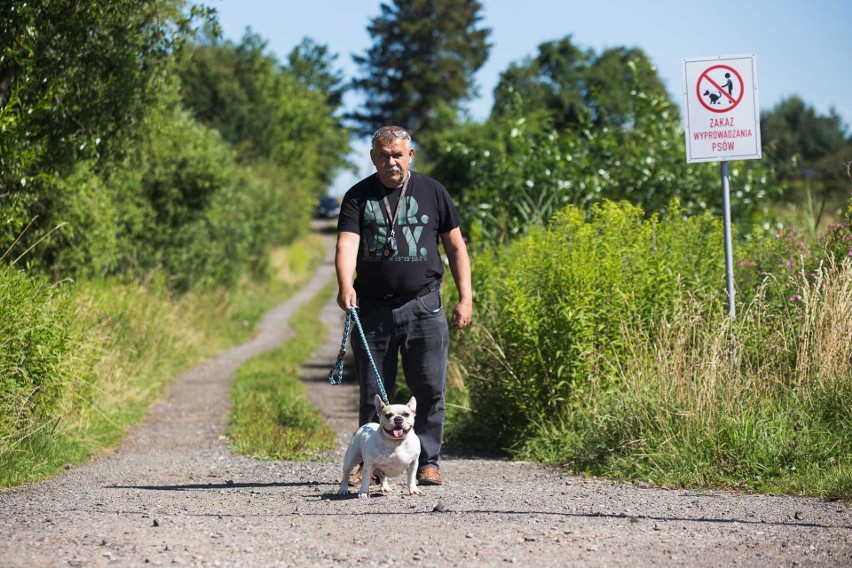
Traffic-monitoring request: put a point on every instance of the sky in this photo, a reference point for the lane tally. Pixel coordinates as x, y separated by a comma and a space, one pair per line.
800, 48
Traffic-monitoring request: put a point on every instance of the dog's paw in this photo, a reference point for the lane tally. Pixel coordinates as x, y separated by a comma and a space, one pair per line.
415, 490
343, 491
363, 495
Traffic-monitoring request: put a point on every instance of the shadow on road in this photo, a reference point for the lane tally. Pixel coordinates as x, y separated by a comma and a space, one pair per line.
226, 485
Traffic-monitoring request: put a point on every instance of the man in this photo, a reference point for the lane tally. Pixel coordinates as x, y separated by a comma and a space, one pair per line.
388, 232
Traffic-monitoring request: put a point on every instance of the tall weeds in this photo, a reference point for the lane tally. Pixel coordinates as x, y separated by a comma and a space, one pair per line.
824, 339
82, 362
658, 382
707, 400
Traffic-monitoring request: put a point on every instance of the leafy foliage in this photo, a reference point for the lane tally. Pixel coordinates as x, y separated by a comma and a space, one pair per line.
105, 173
604, 345
835, 170
313, 66
811, 152
421, 64
75, 81
178, 203
265, 110
516, 172
802, 137
554, 302
577, 87
205, 221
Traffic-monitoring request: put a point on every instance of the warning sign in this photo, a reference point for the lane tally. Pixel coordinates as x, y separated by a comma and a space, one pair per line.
719, 96
722, 118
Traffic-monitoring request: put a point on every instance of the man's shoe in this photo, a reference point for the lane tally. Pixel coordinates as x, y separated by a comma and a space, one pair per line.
355, 478
429, 475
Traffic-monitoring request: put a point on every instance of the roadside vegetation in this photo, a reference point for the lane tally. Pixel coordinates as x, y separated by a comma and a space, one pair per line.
605, 346
83, 362
142, 230
602, 341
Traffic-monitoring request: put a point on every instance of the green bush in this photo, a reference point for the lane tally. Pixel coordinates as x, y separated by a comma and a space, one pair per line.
38, 344
181, 206
77, 83
81, 362
199, 203
87, 216
552, 306
606, 345
267, 111
790, 258
759, 403
105, 169
514, 173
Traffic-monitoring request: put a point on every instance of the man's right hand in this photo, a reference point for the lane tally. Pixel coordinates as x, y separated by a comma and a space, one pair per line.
347, 299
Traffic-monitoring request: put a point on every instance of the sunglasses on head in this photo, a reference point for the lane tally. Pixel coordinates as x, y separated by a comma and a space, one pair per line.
395, 132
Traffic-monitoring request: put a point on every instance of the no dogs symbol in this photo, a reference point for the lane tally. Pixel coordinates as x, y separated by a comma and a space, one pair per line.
720, 88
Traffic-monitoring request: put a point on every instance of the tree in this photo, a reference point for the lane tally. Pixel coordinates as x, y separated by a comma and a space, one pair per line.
576, 86
836, 171
421, 64
614, 78
313, 65
515, 172
76, 80
801, 136
267, 111
555, 81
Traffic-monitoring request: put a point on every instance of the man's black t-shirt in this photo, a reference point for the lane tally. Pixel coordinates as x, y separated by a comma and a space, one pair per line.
426, 213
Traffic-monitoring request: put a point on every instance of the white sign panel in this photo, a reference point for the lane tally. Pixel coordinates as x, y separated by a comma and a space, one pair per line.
722, 116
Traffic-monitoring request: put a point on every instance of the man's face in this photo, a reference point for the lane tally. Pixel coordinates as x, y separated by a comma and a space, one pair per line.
392, 161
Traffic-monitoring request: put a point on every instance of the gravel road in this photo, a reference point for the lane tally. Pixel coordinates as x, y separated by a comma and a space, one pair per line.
173, 494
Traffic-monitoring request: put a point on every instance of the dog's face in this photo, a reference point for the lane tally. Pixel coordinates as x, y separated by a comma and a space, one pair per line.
396, 420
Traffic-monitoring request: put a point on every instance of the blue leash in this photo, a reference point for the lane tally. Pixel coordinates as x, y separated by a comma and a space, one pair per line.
335, 375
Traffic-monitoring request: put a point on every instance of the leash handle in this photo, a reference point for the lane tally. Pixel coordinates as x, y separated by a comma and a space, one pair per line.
335, 376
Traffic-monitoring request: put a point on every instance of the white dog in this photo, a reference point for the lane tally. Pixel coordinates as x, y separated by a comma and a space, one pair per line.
387, 449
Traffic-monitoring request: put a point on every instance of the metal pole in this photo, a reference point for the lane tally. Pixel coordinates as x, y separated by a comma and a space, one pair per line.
729, 254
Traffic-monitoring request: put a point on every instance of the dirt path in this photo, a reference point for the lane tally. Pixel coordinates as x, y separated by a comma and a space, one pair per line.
172, 493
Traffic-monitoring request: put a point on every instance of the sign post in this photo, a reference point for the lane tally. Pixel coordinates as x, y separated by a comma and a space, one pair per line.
722, 123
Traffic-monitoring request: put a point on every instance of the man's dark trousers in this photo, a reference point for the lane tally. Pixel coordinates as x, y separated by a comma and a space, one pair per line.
416, 329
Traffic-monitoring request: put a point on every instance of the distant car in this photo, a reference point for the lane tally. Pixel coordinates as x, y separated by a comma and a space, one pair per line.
328, 208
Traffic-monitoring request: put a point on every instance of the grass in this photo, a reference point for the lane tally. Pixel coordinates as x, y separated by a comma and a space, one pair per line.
602, 345
809, 207
709, 402
129, 341
272, 417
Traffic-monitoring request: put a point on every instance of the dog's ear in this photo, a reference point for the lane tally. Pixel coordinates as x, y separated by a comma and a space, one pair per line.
412, 404
379, 404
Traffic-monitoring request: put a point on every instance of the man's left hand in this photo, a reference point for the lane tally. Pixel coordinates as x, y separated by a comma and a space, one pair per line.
461, 316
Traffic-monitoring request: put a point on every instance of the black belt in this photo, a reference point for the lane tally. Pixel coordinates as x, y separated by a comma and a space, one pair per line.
399, 300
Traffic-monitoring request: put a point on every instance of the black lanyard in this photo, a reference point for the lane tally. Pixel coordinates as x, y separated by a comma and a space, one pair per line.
391, 248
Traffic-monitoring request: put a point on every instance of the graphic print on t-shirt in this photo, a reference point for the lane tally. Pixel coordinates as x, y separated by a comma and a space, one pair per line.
409, 229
